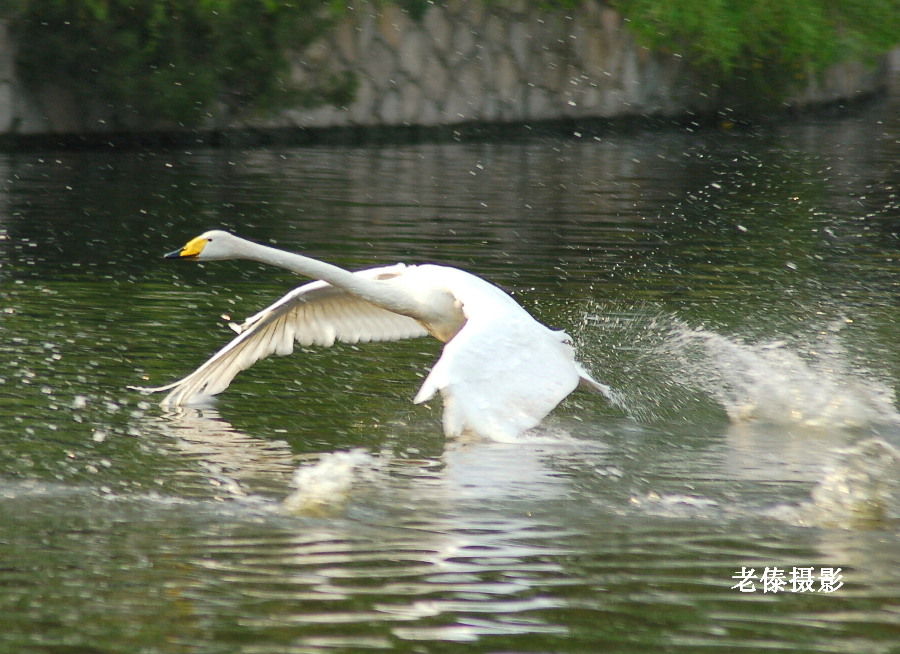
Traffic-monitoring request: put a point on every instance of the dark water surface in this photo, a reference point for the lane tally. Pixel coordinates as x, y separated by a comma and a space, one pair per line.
739, 290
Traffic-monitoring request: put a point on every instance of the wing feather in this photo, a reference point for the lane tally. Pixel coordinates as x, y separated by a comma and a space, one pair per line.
313, 314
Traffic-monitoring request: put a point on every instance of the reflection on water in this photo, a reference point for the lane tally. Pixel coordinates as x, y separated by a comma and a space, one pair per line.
737, 290
229, 458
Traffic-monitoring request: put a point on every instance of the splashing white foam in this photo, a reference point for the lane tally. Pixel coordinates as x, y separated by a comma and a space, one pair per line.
660, 365
324, 486
862, 489
773, 382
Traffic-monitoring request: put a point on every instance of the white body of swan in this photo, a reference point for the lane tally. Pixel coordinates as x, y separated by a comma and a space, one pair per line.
501, 372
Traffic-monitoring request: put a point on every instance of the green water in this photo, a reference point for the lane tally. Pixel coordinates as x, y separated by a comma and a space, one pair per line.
739, 290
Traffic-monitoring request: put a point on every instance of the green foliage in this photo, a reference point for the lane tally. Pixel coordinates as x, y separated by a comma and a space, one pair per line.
760, 47
178, 60
185, 60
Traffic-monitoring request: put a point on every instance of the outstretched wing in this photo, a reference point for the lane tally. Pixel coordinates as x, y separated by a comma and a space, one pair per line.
313, 314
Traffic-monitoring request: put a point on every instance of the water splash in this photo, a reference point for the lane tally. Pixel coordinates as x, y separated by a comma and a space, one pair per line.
324, 486
861, 490
661, 365
630, 349
774, 382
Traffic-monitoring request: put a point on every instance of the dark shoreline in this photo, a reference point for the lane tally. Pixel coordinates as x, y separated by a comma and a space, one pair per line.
473, 131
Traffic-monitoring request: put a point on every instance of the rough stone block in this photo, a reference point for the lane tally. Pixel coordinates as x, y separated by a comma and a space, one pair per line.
437, 29
506, 77
393, 23
435, 80
412, 54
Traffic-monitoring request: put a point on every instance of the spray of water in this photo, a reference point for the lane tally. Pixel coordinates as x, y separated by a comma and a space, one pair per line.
322, 487
773, 381
661, 366
664, 368
862, 489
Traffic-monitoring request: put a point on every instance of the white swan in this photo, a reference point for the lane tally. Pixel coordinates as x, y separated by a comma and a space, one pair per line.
501, 372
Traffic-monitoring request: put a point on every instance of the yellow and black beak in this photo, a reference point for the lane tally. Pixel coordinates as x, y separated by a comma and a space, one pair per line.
190, 251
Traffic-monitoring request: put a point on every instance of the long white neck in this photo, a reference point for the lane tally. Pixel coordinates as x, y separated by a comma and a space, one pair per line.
371, 290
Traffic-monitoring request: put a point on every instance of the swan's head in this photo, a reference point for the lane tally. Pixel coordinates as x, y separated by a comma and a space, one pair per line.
214, 245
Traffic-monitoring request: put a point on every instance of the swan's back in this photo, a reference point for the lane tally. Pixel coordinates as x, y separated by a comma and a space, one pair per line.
504, 371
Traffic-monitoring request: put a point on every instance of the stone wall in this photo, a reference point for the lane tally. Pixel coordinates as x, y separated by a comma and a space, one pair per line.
462, 62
